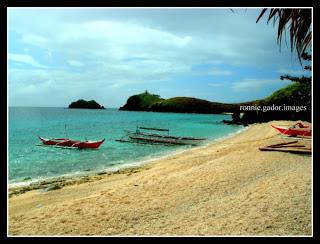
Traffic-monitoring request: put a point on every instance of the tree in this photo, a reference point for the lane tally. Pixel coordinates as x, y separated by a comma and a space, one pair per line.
298, 93
300, 34
303, 79
300, 27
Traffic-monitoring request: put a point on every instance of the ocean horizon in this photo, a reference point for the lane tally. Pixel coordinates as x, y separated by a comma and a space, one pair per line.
53, 107
29, 162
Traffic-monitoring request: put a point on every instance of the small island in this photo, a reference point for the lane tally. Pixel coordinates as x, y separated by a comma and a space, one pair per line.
86, 104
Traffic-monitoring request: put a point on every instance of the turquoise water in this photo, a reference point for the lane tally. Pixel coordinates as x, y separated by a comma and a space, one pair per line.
27, 161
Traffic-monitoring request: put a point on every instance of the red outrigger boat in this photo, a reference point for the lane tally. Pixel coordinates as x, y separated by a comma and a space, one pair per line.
297, 130
63, 142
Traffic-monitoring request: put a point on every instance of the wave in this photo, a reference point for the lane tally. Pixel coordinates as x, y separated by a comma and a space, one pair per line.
123, 164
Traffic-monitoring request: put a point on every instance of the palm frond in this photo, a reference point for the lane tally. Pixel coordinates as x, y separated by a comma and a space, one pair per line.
297, 21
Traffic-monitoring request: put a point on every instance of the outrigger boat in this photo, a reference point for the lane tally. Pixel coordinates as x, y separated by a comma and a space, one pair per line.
63, 142
151, 138
297, 130
166, 136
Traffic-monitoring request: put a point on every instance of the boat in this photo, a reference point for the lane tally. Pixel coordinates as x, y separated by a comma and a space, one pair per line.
64, 142
164, 139
165, 136
297, 130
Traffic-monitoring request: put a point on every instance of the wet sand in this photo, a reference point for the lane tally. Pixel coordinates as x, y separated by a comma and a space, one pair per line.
229, 187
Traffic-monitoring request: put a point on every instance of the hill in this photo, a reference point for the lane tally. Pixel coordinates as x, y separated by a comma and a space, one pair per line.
86, 104
293, 101
151, 102
141, 102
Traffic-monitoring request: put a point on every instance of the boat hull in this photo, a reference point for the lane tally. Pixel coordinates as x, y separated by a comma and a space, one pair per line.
293, 131
155, 136
162, 141
63, 142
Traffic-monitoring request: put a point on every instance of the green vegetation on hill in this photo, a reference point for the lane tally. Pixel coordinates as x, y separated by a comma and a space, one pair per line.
151, 102
141, 102
294, 94
293, 100
86, 104
191, 105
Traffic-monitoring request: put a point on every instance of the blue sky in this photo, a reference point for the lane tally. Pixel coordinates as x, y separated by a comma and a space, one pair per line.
60, 55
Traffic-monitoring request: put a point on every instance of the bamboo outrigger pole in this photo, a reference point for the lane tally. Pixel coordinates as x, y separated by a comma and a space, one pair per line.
150, 128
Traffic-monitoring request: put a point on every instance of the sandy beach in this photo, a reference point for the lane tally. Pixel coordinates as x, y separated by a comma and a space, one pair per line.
229, 187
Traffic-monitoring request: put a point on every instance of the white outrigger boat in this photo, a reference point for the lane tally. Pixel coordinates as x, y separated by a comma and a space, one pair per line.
153, 138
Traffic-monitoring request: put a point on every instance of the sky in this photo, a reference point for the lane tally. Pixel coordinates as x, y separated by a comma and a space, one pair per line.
59, 55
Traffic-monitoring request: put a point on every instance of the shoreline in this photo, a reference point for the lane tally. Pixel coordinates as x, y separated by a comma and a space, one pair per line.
227, 187
17, 188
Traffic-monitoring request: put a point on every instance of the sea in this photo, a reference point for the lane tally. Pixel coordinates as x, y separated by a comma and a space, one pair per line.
28, 161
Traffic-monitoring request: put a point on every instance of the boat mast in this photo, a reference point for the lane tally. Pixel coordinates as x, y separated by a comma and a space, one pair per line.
65, 130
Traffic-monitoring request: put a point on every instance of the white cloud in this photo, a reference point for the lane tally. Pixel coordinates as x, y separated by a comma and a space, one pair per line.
34, 39
99, 83
253, 85
135, 47
215, 84
217, 72
75, 63
190, 36
26, 59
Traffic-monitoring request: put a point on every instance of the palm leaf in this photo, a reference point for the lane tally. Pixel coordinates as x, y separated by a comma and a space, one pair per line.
297, 21
261, 14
